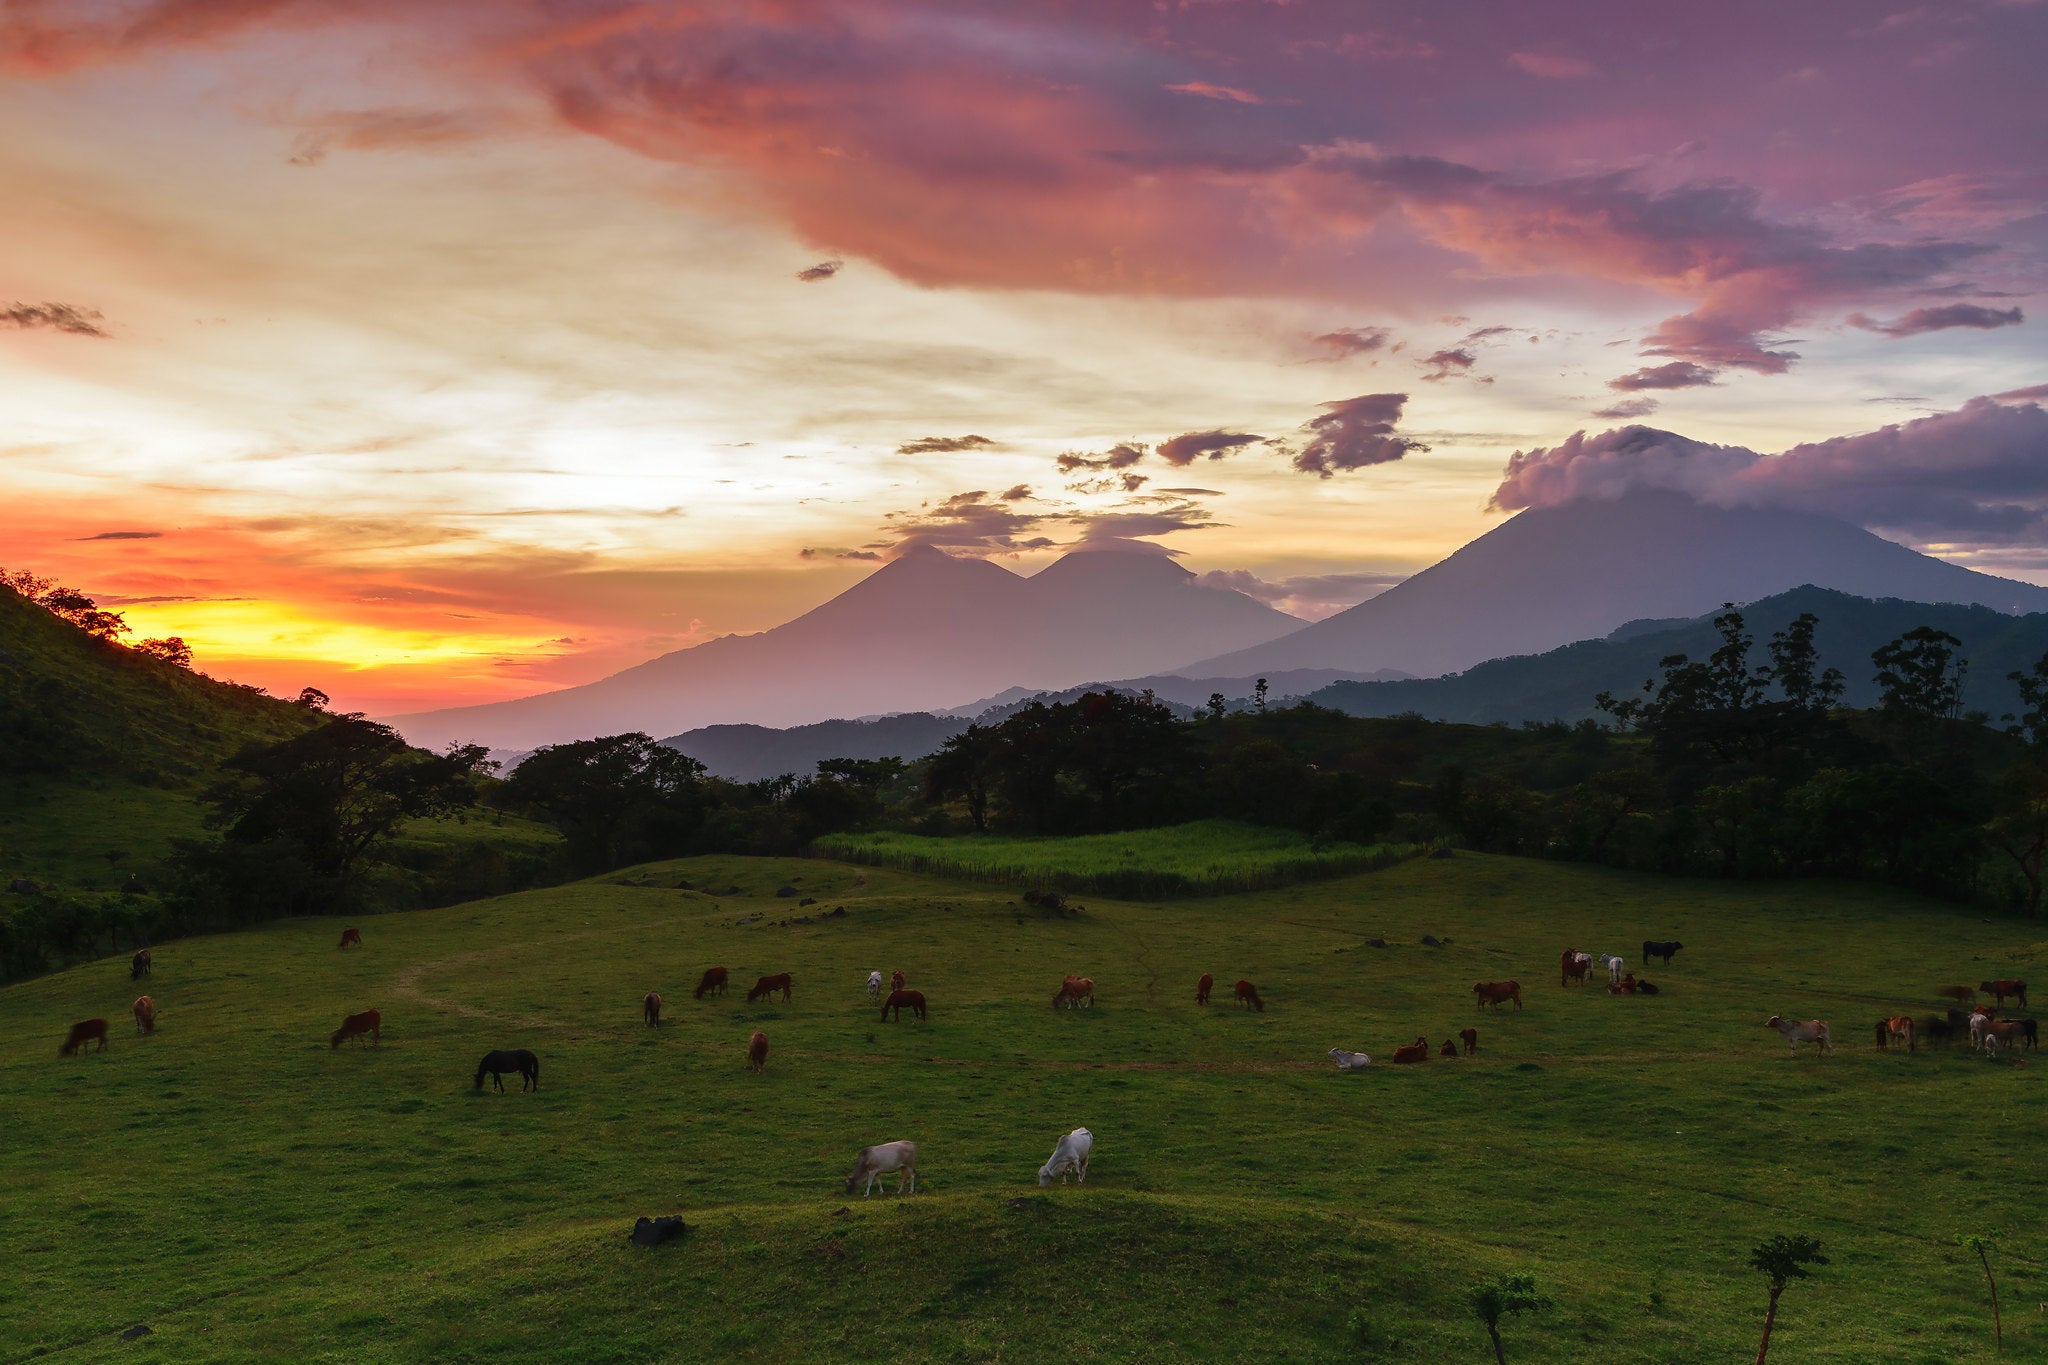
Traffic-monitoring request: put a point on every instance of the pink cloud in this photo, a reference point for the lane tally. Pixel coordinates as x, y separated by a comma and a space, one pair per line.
1552, 67
1216, 92
1940, 319
1679, 374
1353, 433
1186, 449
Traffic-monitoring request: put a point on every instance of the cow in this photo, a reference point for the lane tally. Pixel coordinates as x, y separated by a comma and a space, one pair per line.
138, 966
2002, 989
874, 986
1615, 967
1491, 993
1249, 994
1349, 1061
1448, 1049
711, 983
1962, 995
2004, 1032
1900, 1028
897, 980
766, 987
873, 1162
517, 1059
1934, 1029
1654, 948
84, 1032
650, 1007
356, 1025
145, 1014
1625, 986
350, 936
1075, 991
1572, 967
2030, 1030
757, 1052
899, 1000
1645, 988
1069, 1155
1203, 987
1470, 1037
1812, 1031
1417, 1051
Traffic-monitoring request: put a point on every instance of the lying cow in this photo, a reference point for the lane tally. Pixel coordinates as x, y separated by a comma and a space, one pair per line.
1070, 1156
1349, 1061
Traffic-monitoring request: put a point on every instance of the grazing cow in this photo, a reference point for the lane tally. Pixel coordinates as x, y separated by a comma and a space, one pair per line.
1645, 988
145, 1014
1075, 991
138, 966
349, 936
898, 1000
766, 987
711, 983
85, 1032
1933, 1028
1203, 987
1572, 967
2002, 989
874, 986
498, 1063
897, 979
1417, 1051
2004, 1032
1901, 1028
1653, 948
1812, 1031
1249, 994
1349, 1061
1470, 1037
1962, 995
356, 1025
873, 1162
1448, 1049
650, 1006
757, 1052
1069, 1155
1491, 994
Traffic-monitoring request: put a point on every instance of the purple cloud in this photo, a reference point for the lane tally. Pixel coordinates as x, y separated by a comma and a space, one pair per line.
1353, 433
1679, 374
1940, 319
1187, 448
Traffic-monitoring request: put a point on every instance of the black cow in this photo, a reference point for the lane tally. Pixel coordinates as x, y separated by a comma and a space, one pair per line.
498, 1063
2029, 1029
1935, 1029
1652, 948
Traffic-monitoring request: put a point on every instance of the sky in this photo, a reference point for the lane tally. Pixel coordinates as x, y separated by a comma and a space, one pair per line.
442, 351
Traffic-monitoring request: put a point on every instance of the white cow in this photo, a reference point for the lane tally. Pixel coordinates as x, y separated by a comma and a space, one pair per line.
1812, 1031
900, 1157
1978, 1024
1070, 1156
874, 985
1615, 967
1349, 1061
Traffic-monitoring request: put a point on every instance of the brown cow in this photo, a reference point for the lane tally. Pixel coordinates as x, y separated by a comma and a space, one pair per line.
2006, 1031
1417, 1051
349, 936
768, 985
1962, 995
1471, 1037
1075, 991
650, 1008
711, 983
1491, 994
145, 1014
1901, 1028
1249, 995
1449, 1049
356, 1025
897, 980
757, 1051
85, 1032
138, 966
2002, 989
1203, 987
899, 999
1571, 966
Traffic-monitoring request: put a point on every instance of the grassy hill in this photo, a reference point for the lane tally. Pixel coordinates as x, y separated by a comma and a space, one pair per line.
250, 1194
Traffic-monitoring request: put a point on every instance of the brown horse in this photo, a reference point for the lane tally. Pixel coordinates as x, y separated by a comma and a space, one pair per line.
757, 1051
711, 983
145, 1014
138, 966
898, 999
356, 1025
650, 1006
1249, 994
1203, 987
768, 985
82, 1033
349, 936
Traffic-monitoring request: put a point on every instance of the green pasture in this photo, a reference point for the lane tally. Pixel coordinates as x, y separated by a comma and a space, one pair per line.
251, 1195
1203, 858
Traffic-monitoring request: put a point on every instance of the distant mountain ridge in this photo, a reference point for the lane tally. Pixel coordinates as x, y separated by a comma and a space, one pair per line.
924, 631
1552, 575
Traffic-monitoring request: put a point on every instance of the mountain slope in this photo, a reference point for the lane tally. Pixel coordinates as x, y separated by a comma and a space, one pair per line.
923, 632
1560, 684
1552, 575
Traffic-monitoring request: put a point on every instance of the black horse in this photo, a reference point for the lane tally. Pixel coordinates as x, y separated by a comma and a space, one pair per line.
498, 1063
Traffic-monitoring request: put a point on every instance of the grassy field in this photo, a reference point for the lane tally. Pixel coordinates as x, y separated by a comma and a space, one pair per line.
1205, 858
250, 1194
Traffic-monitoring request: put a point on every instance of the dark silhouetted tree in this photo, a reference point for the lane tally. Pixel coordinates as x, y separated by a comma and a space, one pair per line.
1502, 1295
1783, 1259
617, 799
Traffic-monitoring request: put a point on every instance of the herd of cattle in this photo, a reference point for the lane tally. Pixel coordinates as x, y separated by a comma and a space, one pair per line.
1980, 1023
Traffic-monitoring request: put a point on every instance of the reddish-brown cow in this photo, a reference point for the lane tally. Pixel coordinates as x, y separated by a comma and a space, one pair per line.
650, 1008
1572, 967
1493, 994
711, 983
1417, 1051
2002, 989
356, 1025
1203, 987
757, 1051
900, 1000
145, 1014
350, 936
1249, 994
768, 985
85, 1032
1471, 1037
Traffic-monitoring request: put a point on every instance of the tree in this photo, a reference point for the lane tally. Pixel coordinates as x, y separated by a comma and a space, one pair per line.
172, 650
617, 799
1217, 705
312, 698
1783, 1259
67, 603
2019, 826
1921, 674
1793, 661
1259, 690
869, 774
1504, 1294
1970, 1241
964, 767
2033, 689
